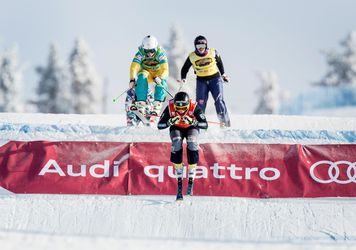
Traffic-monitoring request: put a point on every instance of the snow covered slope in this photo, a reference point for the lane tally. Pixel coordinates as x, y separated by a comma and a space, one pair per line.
245, 129
157, 222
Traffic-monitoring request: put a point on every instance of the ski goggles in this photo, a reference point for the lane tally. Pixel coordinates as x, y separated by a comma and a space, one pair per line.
200, 46
181, 108
150, 51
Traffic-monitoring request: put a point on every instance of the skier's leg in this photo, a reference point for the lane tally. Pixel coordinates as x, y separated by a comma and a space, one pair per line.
176, 149
193, 156
216, 88
202, 94
177, 158
192, 145
142, 85
159, 96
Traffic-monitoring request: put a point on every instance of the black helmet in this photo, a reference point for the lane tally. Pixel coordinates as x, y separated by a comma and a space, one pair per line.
181, 101
200, 40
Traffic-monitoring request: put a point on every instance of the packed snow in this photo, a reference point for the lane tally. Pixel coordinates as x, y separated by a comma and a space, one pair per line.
157, 222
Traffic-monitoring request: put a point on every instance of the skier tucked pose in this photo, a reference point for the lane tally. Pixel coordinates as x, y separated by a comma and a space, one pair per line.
184, 118
210, 73
150, 65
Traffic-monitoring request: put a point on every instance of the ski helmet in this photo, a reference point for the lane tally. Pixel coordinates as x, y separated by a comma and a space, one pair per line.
181, 101
149, 44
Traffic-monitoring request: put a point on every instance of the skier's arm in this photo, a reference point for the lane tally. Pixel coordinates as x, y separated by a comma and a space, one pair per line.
135, 66
164, 70
185, 69
201, 119
163, 61
163, 120
219, 63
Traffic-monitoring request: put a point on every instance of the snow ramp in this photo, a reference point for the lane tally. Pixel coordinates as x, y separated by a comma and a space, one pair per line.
74, 221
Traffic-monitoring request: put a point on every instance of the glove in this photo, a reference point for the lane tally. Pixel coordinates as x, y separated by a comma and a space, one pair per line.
190, 120
132, 83
225, 78
173, 120
158, 80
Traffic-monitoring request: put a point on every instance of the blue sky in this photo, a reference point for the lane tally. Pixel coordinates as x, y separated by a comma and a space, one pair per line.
280, 35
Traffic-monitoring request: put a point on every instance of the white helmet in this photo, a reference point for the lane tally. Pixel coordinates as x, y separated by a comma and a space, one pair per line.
149, 43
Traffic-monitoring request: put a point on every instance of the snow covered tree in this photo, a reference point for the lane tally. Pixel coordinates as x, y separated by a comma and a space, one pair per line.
341, 67
269, 93
10, 83
86, 84
177, 53
54, 87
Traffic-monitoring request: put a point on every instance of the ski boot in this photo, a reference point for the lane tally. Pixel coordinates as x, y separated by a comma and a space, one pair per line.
131, 119
139, 109
157, 105
179, 196
190, 186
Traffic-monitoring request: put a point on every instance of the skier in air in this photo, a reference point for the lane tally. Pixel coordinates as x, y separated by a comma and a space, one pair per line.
150, 65
184, 118
209, 68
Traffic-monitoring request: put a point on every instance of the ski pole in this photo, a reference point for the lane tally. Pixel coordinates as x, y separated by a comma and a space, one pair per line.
218, 123
180, 85
165, 90
117, 98
168, 92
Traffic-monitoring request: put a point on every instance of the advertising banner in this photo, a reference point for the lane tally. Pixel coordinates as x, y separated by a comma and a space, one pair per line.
224, 169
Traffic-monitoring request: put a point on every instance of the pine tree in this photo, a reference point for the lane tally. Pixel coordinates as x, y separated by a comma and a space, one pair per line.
269, 93
10, 83
86, 85
53, 88
341, 66
177, 54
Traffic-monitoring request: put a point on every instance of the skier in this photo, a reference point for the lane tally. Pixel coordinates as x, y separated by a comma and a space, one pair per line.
185, 118
150, 65
209, 69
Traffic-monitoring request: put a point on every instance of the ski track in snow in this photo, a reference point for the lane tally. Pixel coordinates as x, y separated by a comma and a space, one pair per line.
224, 221
157, 222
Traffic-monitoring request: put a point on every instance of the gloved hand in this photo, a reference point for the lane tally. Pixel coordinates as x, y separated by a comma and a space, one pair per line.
132, 83
190, 120
225, 78
158, 80
173, 120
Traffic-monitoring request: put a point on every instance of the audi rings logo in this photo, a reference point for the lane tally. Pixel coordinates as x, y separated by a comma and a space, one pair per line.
334, 170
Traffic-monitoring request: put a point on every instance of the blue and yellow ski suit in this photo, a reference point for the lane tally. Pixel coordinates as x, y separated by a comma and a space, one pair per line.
145, 69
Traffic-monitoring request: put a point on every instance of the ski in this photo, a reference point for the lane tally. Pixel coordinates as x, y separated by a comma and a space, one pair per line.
142, 117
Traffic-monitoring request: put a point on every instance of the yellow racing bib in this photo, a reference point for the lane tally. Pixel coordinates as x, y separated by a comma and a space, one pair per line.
204, 65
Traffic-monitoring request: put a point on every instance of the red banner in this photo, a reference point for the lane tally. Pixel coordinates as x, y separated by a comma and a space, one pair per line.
224, 169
